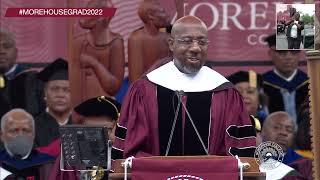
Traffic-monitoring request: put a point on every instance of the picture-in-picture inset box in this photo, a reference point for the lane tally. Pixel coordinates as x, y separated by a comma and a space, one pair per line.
295, 27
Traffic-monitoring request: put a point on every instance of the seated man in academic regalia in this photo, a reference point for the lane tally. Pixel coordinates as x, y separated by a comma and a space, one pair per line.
19, 157
8, 55
19, 87
286, 84
99, 111
280, 128
58, 100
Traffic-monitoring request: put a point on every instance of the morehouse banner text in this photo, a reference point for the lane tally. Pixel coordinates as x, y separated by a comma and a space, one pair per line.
236, 28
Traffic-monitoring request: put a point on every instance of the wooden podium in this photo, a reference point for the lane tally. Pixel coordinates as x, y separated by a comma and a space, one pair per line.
250, 173
313, 58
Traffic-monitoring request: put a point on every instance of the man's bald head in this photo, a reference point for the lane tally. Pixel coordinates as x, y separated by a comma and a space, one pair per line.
186, 20
17, 133
279, 128
278, 115
189, 57
16, 115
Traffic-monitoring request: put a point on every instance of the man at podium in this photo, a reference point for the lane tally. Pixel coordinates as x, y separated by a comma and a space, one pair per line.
182, 107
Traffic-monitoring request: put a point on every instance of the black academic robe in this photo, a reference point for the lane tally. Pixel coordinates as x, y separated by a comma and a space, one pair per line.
26, 91
5, 101
272, 87
16, 70
22, 90
47, 129
37, 166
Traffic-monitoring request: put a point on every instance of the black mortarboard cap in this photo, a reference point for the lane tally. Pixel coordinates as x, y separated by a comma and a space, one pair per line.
254, 79
271, 40
57, 70
99, 106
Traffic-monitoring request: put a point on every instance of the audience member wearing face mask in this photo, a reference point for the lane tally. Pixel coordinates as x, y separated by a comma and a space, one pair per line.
19, 157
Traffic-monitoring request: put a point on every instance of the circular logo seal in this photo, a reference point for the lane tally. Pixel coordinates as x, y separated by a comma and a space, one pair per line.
184, 176
269, 155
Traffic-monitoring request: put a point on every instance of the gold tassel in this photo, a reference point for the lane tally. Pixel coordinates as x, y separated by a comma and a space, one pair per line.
103, 98
252, 79
2, 83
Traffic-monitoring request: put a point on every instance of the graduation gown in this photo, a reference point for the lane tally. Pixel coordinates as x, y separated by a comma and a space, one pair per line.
273, 85
54, 149
37, 166
16, 70
290, 157
22, 90
148, 111
47, 129
27, 92
5, 101
56, 173
304, 168
302, 165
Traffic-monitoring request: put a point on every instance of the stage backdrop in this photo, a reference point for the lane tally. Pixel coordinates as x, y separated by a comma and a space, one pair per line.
236, 29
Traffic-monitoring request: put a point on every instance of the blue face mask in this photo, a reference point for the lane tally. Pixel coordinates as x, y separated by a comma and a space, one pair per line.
19, 146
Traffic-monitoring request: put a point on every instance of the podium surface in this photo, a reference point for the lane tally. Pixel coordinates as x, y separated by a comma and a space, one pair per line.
250, 173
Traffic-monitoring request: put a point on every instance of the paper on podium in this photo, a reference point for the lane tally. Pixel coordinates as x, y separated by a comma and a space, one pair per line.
275, 173
4, 173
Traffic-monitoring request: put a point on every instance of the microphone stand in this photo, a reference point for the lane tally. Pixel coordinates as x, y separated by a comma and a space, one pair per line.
174, 122
179, 94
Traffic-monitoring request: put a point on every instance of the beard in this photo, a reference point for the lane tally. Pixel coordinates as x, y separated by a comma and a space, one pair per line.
187, 68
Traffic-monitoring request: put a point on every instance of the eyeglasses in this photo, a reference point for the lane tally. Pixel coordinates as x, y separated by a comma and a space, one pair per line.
189, 41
